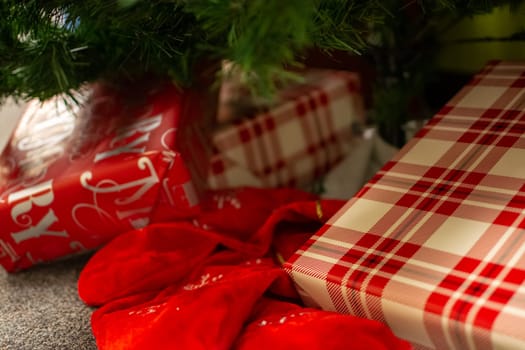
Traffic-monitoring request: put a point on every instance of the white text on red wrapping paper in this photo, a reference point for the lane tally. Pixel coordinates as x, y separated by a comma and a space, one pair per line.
44, 140
41, 196
130, 140
133, 139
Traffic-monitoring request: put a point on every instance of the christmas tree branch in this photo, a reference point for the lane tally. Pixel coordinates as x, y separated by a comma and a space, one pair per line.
54, 46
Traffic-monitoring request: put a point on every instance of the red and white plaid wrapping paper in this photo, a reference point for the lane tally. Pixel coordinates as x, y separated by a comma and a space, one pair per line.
296, 141
434, 244
67, 185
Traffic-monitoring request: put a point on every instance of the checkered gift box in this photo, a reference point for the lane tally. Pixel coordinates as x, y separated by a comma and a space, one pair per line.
434, 244
296, 141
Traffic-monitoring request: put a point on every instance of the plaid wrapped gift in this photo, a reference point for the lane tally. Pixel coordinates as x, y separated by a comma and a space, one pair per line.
294, 142
434, 244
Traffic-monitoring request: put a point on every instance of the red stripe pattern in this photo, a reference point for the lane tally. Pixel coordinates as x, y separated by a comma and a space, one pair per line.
294, 142
434, 244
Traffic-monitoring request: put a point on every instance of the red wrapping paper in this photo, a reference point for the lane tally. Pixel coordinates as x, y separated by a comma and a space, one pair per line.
74, 177
433, 245
213, 284
296, 140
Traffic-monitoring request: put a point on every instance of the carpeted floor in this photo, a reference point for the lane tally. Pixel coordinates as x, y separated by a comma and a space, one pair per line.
40, 309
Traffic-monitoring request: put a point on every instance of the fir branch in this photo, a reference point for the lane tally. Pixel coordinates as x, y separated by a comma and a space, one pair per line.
54, 46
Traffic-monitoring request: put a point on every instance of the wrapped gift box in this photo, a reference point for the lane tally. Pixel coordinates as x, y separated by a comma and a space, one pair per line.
72, 178
295, 141
434, 244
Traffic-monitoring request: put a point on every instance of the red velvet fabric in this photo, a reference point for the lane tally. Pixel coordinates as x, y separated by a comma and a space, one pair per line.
214, 283
280, 325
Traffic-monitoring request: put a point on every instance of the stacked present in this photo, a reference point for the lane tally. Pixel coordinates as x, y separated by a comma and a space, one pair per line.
434, 245
71, 179
295, 141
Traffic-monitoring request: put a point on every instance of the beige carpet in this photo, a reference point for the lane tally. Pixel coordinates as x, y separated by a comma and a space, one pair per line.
40, 309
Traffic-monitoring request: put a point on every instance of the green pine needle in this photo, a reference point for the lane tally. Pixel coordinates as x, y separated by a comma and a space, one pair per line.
56, 46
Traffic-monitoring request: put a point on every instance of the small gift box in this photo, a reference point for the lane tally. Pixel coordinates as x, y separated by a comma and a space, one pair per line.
434, 244
296, 140
74, 177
